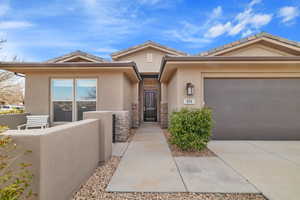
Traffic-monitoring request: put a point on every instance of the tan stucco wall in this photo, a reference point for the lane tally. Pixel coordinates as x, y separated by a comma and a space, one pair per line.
114, 90
37, 93
127, 94
189, 75
140, 58
173, 96
256, 50
105, 132
197, 74
55, 151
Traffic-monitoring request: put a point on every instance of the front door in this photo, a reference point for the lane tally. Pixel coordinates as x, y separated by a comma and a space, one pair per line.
150, 106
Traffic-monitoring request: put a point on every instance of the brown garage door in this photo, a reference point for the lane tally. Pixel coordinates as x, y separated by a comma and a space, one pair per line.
267, 109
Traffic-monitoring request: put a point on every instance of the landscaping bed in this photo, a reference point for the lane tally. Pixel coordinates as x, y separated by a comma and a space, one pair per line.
94, 188
176, 152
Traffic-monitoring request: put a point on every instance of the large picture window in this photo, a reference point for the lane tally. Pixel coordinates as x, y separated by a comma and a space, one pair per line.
72, 97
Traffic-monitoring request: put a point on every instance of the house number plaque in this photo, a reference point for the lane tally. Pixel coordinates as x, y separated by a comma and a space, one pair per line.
189, 101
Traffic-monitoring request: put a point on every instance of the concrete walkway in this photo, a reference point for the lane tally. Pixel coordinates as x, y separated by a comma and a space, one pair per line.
147, 165
272, 166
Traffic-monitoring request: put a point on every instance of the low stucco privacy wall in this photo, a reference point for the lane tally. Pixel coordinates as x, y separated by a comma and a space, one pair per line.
64, 156
13, 120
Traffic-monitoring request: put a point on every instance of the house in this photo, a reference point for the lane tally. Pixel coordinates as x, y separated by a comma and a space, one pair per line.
252, 85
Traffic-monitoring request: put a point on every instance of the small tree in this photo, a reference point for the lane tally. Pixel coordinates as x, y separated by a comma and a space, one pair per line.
11, 87
15, 177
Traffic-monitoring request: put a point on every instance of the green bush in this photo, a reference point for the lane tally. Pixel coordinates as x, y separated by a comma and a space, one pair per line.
15, 176
191, 128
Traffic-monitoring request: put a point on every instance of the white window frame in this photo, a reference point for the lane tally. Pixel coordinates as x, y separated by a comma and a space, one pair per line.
53, 100
74, 94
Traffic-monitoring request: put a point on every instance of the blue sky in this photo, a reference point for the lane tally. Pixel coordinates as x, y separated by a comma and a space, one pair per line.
39, 30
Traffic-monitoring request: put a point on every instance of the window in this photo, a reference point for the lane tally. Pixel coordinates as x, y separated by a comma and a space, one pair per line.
149, 57
72, 97
62, 98
85, 96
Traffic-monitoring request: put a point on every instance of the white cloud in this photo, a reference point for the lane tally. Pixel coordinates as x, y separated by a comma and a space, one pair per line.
218, 30
217, 12
247, 33
14, 24
106, 50
259, 20
188, 32
243, 23
288, 13
254, 2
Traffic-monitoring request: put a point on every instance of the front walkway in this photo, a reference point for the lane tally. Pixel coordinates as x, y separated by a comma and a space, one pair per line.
147, 165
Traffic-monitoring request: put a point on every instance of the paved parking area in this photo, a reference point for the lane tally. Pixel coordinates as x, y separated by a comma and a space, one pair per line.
272, 166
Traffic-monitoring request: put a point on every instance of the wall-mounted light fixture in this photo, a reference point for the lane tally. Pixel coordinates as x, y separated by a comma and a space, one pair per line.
189, 89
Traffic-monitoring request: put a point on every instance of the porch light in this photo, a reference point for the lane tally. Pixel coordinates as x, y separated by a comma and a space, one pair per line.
189, 89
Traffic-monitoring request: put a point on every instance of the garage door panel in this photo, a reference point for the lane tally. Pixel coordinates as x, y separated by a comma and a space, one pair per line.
254, 108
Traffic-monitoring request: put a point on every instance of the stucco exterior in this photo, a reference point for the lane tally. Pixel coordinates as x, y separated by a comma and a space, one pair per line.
196, 73
163, 72
114, 91
140, 58
171, 93
55, 153
256, 50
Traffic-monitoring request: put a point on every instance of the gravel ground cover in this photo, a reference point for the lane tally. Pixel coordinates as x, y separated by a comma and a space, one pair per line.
94, 189
176, 152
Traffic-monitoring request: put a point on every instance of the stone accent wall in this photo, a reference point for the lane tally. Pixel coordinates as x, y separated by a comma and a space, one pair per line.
122, 125
135, 115
164, 115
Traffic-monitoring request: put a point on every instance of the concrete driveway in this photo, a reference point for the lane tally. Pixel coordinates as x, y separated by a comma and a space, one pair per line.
273, 167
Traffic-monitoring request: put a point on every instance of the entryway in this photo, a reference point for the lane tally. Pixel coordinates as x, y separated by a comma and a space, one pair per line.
150, 105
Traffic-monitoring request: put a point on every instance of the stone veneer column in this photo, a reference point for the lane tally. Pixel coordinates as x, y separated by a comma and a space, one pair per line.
164, 115
135, 115
122, 125
135, 106
164, 107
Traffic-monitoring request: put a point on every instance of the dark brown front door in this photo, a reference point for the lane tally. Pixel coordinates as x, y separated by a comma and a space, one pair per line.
150, 106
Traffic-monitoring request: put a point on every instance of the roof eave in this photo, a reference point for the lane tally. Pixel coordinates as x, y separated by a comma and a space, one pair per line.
193, 59
76, 65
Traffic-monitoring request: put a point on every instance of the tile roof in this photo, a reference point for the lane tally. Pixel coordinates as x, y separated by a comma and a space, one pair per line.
74, 54
248, 39
149, 43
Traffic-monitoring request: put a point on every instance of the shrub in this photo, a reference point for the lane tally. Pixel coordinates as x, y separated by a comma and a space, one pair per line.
15, 177
191, 129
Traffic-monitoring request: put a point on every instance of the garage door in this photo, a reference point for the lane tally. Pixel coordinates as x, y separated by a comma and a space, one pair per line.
267, 109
